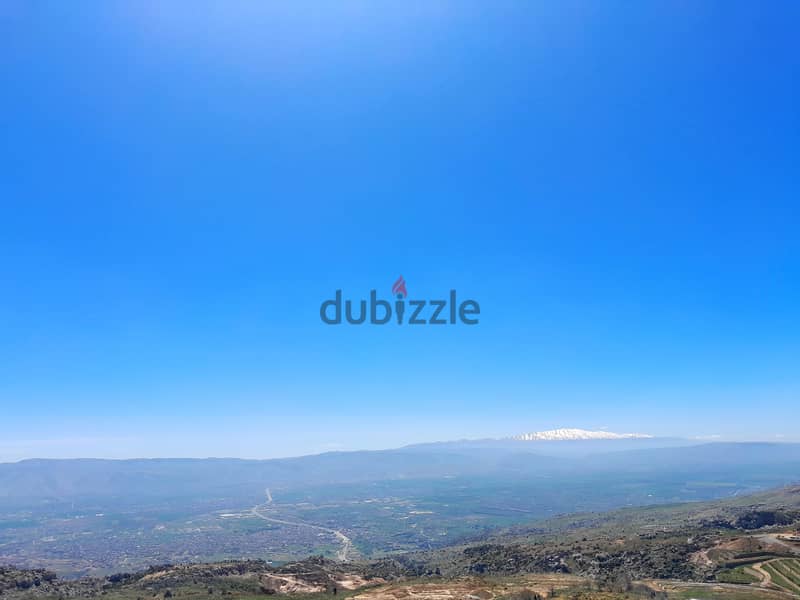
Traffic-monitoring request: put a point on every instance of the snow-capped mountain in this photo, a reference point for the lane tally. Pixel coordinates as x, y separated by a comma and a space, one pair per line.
577, 434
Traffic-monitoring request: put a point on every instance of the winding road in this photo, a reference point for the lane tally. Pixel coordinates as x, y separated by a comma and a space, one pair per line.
766, 578
346, 543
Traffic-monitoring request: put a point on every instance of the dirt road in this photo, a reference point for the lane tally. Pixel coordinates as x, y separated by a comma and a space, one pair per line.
766, 578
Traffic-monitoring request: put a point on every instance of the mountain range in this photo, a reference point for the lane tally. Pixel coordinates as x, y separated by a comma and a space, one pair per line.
564, 453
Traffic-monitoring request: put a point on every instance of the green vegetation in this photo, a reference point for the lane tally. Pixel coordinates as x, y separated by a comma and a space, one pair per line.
748, 560
791, 569
777, 578
785, 573
737, 575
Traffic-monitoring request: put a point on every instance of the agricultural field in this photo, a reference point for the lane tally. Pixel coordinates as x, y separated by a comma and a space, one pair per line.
783, 573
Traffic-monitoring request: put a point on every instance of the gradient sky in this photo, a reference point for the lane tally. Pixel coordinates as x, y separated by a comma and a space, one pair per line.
184, 183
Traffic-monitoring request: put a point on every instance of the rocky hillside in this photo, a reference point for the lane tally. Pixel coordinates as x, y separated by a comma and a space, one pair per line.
662, 542
237, 578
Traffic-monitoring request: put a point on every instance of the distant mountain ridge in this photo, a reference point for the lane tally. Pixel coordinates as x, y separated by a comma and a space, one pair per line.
748, 465
573, 434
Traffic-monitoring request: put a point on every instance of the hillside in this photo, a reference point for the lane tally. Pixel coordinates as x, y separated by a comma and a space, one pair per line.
688, 542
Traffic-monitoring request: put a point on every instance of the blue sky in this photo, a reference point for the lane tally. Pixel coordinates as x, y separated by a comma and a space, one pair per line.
616, 183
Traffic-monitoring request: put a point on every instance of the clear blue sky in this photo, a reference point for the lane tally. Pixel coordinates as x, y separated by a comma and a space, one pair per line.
183, 184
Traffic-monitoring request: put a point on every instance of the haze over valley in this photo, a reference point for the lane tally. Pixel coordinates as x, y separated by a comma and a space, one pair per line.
86, 516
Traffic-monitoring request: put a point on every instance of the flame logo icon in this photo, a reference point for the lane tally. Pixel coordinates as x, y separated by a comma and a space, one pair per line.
399, 288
